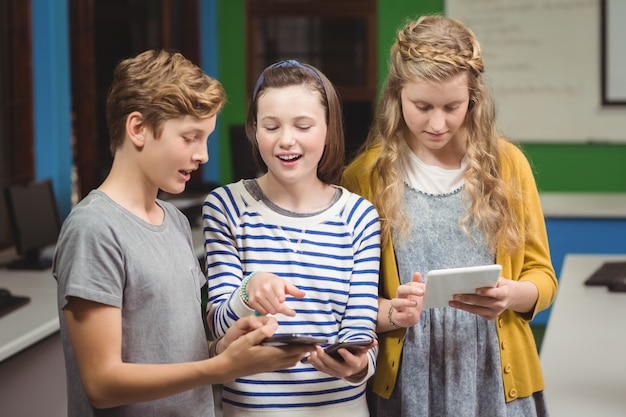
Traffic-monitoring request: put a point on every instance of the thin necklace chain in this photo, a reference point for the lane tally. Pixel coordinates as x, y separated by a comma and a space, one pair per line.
302, 232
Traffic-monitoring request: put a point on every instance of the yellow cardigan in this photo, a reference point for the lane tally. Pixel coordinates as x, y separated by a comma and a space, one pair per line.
521, 371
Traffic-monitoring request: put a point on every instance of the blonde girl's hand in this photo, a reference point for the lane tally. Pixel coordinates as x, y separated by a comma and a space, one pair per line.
404, 310
267, 293
489, 303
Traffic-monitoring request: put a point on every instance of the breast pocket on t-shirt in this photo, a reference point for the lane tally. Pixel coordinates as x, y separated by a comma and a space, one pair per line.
196, 280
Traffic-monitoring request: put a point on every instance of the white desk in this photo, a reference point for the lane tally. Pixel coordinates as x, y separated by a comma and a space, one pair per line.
583, 354
34, 321
583, 205
31, 356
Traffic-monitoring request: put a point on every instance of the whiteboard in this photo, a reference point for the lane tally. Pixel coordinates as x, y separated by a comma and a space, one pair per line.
615, 61
543, 65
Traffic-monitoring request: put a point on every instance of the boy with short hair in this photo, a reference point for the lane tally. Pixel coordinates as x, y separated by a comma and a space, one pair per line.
128, 279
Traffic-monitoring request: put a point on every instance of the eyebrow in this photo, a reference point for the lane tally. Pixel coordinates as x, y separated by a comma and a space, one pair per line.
421, 101
297, 118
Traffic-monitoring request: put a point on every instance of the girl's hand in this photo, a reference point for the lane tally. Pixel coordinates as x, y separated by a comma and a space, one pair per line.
267, 293
489, 303
354, 366
408, 303
405, 309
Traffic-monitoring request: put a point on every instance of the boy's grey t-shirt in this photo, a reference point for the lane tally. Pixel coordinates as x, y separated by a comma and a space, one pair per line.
107, 255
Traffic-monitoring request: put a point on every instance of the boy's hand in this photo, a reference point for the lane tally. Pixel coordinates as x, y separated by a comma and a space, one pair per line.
241, 347
246, 325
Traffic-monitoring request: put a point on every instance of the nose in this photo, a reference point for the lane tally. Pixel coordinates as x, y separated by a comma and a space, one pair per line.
437, 121
286, 139
201, 154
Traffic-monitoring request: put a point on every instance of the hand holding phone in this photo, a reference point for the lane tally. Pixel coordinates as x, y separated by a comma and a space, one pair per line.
293, 339
353, 346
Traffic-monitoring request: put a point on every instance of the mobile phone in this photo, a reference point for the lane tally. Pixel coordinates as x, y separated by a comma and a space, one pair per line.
293, 339
353, 347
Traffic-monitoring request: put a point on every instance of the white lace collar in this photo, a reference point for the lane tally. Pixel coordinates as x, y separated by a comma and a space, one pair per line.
429, 178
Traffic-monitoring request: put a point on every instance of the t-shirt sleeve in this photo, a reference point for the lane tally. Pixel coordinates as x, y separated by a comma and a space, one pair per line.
89, 263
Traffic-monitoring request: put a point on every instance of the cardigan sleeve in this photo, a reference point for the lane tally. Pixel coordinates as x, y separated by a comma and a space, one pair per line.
532, 262
521, 369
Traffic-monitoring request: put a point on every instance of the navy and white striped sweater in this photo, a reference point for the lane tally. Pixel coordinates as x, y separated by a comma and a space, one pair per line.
333, 256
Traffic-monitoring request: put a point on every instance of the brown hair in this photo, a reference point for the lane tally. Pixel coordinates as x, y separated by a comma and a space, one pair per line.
161, 85
288, 73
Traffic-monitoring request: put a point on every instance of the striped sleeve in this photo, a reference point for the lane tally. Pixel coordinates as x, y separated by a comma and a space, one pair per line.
334, 257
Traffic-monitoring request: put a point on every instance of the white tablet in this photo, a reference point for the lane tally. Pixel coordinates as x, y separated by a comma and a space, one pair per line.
442, 284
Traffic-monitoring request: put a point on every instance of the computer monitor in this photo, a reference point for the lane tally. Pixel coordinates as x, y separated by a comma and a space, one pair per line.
35, 222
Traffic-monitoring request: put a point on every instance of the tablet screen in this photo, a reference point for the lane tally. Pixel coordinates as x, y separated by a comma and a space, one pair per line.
442, 284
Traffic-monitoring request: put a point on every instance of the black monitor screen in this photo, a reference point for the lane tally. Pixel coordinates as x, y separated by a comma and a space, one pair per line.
34, 220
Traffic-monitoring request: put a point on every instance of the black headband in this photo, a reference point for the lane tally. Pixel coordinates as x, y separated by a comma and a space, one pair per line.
281, 64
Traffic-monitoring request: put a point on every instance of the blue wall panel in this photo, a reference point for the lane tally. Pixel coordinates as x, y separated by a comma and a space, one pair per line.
581, 235
52, 98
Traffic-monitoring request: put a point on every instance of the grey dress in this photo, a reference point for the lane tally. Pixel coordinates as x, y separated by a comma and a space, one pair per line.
451, 359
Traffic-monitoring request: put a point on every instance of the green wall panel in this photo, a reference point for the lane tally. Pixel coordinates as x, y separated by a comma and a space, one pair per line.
578, 167
392, 15
232, 75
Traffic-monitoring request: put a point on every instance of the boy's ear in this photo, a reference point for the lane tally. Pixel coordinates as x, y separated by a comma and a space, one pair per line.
135, 128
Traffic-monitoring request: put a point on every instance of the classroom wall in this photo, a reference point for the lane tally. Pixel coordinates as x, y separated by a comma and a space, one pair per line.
547, 78
231, 44
579, 167
559, 167
231, 57
51, 85
570, 167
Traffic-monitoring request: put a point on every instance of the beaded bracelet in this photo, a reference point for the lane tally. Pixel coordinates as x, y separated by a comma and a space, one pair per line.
395, 326
244, 284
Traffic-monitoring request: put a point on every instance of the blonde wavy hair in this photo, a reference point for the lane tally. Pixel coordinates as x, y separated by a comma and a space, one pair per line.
161, 85
434, 49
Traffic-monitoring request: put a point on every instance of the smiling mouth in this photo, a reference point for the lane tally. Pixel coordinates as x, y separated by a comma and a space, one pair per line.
289, 158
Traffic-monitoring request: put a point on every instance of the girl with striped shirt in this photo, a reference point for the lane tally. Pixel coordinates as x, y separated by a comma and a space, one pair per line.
291, 244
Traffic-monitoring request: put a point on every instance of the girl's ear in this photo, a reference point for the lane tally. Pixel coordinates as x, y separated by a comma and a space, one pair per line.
135, 129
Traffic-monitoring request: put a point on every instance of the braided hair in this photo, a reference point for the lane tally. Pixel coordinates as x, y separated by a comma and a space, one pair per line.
435, 49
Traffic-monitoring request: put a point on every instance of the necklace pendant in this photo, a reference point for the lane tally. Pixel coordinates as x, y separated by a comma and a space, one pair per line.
294, 243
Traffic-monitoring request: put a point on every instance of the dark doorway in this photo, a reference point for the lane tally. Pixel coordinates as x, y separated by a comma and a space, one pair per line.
103, 32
